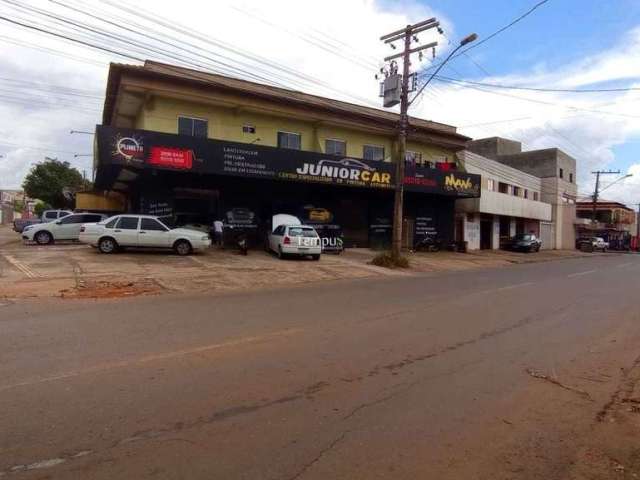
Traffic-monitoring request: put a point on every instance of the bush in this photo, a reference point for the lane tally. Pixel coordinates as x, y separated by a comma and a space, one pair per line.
387, 260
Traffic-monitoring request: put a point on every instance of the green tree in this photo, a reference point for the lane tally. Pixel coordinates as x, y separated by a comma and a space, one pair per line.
40, 207
54, 182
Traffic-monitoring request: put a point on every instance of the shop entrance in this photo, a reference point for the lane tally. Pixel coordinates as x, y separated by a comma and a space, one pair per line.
486, 230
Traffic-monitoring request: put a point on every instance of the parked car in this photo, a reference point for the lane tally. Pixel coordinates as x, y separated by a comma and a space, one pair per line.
141, 231
66, 228
289, 237
594, 243
525, 242
19, 224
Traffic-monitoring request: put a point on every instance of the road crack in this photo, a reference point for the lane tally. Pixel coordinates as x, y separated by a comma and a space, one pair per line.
319, 456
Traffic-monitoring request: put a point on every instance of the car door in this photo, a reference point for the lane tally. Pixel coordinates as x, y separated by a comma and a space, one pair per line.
276, 237
68, 228
153, 233
126, 231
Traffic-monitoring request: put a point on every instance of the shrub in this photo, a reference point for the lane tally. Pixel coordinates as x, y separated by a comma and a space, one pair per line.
386, 260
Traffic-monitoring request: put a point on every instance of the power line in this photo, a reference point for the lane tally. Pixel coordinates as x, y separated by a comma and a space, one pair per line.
537, 89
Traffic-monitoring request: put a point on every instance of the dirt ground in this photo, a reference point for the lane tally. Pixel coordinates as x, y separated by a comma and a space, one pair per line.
71, 270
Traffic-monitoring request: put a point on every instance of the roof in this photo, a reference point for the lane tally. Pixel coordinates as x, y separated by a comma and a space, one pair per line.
156, 70
587, 202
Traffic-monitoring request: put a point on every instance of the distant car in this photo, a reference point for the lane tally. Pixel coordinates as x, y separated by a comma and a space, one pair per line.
594, 243
19, 224
525, 242
142, 231
293, 238
66, 228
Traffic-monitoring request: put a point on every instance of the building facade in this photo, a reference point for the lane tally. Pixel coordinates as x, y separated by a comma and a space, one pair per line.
510, 203
614, 221
557, 173
197, 146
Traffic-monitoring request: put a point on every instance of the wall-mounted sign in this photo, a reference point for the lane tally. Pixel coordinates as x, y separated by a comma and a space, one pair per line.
204, 156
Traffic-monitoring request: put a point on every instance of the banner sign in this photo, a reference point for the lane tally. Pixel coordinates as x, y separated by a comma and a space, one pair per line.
146, 149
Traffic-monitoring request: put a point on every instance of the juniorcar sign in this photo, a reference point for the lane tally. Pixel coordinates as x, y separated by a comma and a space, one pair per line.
117, 146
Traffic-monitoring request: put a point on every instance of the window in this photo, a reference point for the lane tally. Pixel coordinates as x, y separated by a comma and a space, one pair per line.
151, 224
112, 223
194, 127
72, 219
414, 157
289, 140
373, 152
280, 230
335, 147
128, 223
516, 191
535, 196
248, 129
91, 218
571, 178
561, 173
526, 193
503, 187
63, 214
51, 215
491, 185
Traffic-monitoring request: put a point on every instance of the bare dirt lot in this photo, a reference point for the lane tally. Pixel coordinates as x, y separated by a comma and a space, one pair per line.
71, 270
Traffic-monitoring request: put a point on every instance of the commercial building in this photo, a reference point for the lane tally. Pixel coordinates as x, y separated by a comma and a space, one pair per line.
510, 204
557, 172
614, 221
200, 146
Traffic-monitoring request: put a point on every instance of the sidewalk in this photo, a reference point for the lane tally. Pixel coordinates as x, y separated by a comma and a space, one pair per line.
77, 271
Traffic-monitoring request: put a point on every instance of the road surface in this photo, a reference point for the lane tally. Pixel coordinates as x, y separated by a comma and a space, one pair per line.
504, 373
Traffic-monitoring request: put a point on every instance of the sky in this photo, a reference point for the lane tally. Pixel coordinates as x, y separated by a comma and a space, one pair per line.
50, 86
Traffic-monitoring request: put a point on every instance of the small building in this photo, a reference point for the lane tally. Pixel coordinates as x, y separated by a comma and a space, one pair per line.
557, 173
200, 146
509, 204
614, 221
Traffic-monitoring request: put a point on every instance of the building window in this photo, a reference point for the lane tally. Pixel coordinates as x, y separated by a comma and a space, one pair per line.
335, 147
526, 193
194, 127
491, 185
289, 140
561, 173
535, 196
413, 157
248, 129
503, 187
516, 191
571, 178
373, 152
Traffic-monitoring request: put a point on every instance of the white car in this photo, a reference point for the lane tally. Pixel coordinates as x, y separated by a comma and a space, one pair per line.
294, 239
65, 228
142, 231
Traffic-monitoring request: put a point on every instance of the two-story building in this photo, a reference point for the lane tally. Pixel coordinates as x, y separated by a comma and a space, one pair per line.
510, 204
614, 221
195, 145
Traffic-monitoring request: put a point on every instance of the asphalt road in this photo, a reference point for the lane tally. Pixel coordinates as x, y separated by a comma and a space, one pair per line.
403, 378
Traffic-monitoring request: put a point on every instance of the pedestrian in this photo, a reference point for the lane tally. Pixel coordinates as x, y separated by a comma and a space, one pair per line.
217, 232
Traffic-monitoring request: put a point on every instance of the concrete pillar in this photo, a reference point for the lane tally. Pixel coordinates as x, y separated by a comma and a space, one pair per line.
495, 237
472, 231
512, 227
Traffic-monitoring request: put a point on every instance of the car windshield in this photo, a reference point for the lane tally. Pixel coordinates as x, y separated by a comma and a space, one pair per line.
301, 232
523, 236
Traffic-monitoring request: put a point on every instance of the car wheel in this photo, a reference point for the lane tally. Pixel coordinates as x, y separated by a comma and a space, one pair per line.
604, 250
43, 238
538, 248
315, 257
107, 245
182, 247
280, 254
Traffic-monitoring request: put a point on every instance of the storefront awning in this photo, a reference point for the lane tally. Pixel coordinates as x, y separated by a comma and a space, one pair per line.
123, 153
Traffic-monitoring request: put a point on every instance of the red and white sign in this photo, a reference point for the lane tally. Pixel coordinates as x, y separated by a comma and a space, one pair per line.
171, 157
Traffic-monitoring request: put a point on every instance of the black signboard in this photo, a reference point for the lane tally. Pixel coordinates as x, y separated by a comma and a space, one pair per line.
146, 149
155, 206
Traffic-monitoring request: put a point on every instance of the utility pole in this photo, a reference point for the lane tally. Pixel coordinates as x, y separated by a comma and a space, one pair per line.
390, 87
407, 35
597, 173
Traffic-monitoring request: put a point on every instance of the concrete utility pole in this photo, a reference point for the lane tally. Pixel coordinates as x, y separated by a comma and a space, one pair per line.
407, 35
596, 192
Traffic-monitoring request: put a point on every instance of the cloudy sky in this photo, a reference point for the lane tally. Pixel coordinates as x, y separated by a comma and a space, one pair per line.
50, 85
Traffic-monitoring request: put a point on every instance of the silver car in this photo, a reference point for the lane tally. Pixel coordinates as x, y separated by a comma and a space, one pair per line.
298, 240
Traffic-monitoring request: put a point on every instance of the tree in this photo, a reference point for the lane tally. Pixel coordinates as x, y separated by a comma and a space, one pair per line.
40, 207
55, 183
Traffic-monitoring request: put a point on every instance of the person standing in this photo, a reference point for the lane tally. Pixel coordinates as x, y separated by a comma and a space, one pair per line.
217, 232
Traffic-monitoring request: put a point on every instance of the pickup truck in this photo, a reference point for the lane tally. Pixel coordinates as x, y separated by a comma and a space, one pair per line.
47, 216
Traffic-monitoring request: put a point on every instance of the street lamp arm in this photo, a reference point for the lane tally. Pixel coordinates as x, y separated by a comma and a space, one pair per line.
616, 181
464, 41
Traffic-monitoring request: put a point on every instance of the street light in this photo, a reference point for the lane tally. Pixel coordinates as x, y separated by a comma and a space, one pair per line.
616, 181
71, 132
466, 40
